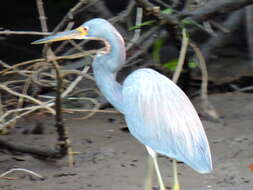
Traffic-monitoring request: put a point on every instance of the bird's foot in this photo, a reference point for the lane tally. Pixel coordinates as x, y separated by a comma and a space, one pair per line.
176, 187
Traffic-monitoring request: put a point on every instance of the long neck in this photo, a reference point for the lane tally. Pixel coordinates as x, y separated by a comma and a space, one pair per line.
105, 67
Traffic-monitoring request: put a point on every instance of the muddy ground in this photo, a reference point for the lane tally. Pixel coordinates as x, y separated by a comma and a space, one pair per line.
111, 159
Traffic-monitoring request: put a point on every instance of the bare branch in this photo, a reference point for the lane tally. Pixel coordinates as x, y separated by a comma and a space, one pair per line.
206, 104
69, 16
42, 15
57, 58
137, 31
21, 169
25, 96
44, 153
9, 32
185, 41
214, 8
155, 11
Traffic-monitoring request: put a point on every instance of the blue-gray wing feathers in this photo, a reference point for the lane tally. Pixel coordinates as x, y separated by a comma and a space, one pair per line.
161, 116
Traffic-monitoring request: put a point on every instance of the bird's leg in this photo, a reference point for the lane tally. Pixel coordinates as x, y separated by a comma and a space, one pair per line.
153, 155
175, 176
149, 176
158, 173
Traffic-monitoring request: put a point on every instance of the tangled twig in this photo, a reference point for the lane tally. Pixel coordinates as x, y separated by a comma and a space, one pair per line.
185, 41
9, 32
206, 104
23, 170
3, 87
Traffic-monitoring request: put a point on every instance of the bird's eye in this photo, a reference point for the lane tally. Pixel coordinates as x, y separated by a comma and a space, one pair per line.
83, 30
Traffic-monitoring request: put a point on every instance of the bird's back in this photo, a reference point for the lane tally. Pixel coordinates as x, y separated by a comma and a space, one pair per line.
161, 116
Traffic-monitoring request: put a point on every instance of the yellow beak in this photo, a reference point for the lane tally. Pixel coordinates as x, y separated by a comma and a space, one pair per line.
78, 33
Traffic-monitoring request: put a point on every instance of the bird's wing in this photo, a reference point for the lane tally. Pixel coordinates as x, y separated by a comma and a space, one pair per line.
160, 115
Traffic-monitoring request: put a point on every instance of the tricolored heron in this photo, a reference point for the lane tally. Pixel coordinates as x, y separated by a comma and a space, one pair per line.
157, 111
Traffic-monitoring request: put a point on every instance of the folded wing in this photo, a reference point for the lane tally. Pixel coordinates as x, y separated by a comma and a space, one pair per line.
160, 115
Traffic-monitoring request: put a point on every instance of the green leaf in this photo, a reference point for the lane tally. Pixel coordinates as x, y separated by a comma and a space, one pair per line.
157, 48
193, 64
167, 11
187, 22
190, 22
146, 23
171, 65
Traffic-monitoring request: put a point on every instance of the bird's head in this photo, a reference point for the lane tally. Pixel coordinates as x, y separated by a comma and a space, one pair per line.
95, 29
